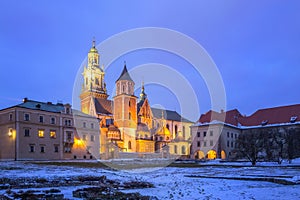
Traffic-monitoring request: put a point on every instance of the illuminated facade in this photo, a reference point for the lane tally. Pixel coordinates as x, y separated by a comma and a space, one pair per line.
127, 123
36, 130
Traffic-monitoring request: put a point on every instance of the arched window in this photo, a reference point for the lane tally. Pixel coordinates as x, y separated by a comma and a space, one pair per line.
123, 88
129, 144
175, 149
183, 150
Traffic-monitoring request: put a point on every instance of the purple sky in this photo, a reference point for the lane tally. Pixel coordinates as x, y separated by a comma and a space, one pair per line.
255, 46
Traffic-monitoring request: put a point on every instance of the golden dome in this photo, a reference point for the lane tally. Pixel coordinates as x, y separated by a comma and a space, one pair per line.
164, 131
93, 49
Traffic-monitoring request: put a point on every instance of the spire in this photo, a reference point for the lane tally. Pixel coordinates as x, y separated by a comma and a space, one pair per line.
143, 95
124, 75
94, 42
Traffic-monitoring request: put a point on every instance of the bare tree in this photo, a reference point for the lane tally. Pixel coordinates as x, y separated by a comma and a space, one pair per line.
250, 144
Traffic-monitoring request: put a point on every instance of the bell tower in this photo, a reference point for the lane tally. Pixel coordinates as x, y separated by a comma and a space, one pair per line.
93, 85
125, 109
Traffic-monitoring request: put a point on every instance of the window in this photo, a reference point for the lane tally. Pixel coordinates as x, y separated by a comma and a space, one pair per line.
231, 144
92, 138
198, 144
175, 149
198, 134
168, 126
211, 143
92, 126
42, 149
84, 137
53, 134
52, 120
31, 148
97, 81
211, 133
84, 124
204, 144
227, 143
56, 148
235, 136
129, 144
26, 132
227, 134
26, 117
68, 110
183, 150
42, 119
10, 116
69, 135
204, 134
129, 115
41, 133
231, 135
176, 129
183, 130
129, 103
68, 122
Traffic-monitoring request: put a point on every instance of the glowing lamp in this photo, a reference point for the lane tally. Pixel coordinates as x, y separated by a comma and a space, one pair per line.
10, 132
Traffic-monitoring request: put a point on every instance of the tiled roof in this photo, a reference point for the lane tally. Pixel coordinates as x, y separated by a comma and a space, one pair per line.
168, 115
104, 106
276, 115
124, 75
36, 105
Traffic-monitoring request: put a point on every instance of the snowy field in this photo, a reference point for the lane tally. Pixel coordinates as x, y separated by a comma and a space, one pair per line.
204, 182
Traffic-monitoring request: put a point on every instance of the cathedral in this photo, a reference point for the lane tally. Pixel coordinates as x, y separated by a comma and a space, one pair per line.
129, 127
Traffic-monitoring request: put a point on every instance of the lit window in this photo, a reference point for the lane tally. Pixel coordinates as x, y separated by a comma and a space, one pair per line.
52, 134
41, 133
52, 120
26, 132
41, 119
92, 138
26, 117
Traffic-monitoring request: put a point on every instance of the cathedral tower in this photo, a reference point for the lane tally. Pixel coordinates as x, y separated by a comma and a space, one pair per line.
125, 109
94, 85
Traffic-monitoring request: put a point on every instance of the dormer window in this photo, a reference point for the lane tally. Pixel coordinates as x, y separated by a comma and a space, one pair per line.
293, 119
265, 122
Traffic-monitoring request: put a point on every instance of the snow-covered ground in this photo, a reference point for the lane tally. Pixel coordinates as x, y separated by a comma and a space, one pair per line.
178, 183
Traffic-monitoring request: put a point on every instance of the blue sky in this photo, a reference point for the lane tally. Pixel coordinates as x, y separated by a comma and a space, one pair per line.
255, 45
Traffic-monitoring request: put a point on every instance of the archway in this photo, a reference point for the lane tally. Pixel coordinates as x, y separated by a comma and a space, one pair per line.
199, 155
223, 155
211, 154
